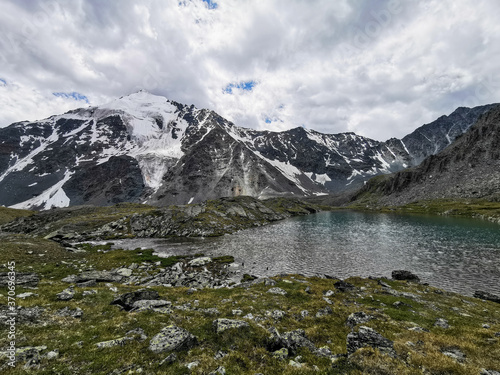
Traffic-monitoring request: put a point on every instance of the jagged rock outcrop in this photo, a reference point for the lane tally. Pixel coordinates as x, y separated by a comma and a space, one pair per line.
468, 168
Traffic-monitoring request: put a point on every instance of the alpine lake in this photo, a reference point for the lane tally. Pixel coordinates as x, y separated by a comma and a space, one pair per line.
457, 254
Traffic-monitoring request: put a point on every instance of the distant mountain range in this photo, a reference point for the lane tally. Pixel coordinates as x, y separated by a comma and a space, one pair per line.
468, 168
146, 148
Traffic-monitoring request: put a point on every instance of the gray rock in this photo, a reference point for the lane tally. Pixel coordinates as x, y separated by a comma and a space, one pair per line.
276, 314
26, 279
358, 318
405, 276
367, 336
144, 305
125, 272
487, 296
53, 354
26, 295
99, 276
292, 340
323, 312
304, 313
343, 286
66, 311
454, 353
86, 284
71, 279
89, 292
127, 300
489, 372
197, 262
278, 291
66, 294
442, 323
172, 338
324, 351
192, 365
329, 293
221, 325
220, 354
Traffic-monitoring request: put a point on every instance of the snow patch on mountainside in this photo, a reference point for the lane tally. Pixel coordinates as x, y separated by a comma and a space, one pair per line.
52, 197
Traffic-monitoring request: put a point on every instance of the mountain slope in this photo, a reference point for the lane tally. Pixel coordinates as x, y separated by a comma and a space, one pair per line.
145, 148
469, 168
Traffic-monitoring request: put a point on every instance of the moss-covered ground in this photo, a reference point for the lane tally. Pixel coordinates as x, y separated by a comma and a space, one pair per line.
473, 323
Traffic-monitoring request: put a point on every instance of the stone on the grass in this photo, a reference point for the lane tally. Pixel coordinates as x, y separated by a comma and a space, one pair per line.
356, 318
277, 291
368, 337
172, 338
66, 295
127, 300
221, 325
442, 323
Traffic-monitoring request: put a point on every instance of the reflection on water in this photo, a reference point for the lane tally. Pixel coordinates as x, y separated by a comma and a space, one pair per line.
461, 255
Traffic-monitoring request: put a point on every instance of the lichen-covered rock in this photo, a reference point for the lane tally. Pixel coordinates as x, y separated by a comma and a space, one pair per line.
292, 340
66, 294
77, 313
367, 336
281, 354
358, 318
127, 300
144, 305
221, 325
172, 338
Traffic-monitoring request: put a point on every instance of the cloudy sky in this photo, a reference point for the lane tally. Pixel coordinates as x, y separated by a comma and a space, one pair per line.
377, 68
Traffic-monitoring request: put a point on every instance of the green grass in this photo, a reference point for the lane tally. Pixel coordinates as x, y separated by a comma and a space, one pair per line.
9, 214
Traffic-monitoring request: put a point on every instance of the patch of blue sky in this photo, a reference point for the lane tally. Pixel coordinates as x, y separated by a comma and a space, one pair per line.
244, 85
211, 4
3, 82
72, 95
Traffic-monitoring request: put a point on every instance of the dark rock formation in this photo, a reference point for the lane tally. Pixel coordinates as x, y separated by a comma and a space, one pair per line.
405, 276
369, 337
127, 300
487, 296
172, 338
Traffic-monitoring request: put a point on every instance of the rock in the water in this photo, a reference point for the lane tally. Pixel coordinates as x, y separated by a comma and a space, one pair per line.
172, 338
487, 296
221, 325
367, 336
405, 275
358, 318
442, 323
127, 300
66, 294
26, 279
277, 290
343, 286
292, 340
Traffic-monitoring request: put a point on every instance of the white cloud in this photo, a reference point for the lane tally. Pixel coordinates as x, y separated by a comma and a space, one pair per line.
376, 68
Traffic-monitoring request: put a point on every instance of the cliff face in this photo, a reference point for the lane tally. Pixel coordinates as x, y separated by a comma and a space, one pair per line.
468, 168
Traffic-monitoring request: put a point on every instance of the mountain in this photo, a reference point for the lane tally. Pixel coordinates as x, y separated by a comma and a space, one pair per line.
145, 148
468, 168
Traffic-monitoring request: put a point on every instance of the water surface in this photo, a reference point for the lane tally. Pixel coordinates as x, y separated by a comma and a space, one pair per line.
461, 255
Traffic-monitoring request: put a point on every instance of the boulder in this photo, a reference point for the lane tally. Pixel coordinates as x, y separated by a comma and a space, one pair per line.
454, 353
367, 336
76, 313
149, 304
127, 300
442, 323
221, 325
487, 296
292, 340
172, 338
66, 295
405, 276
